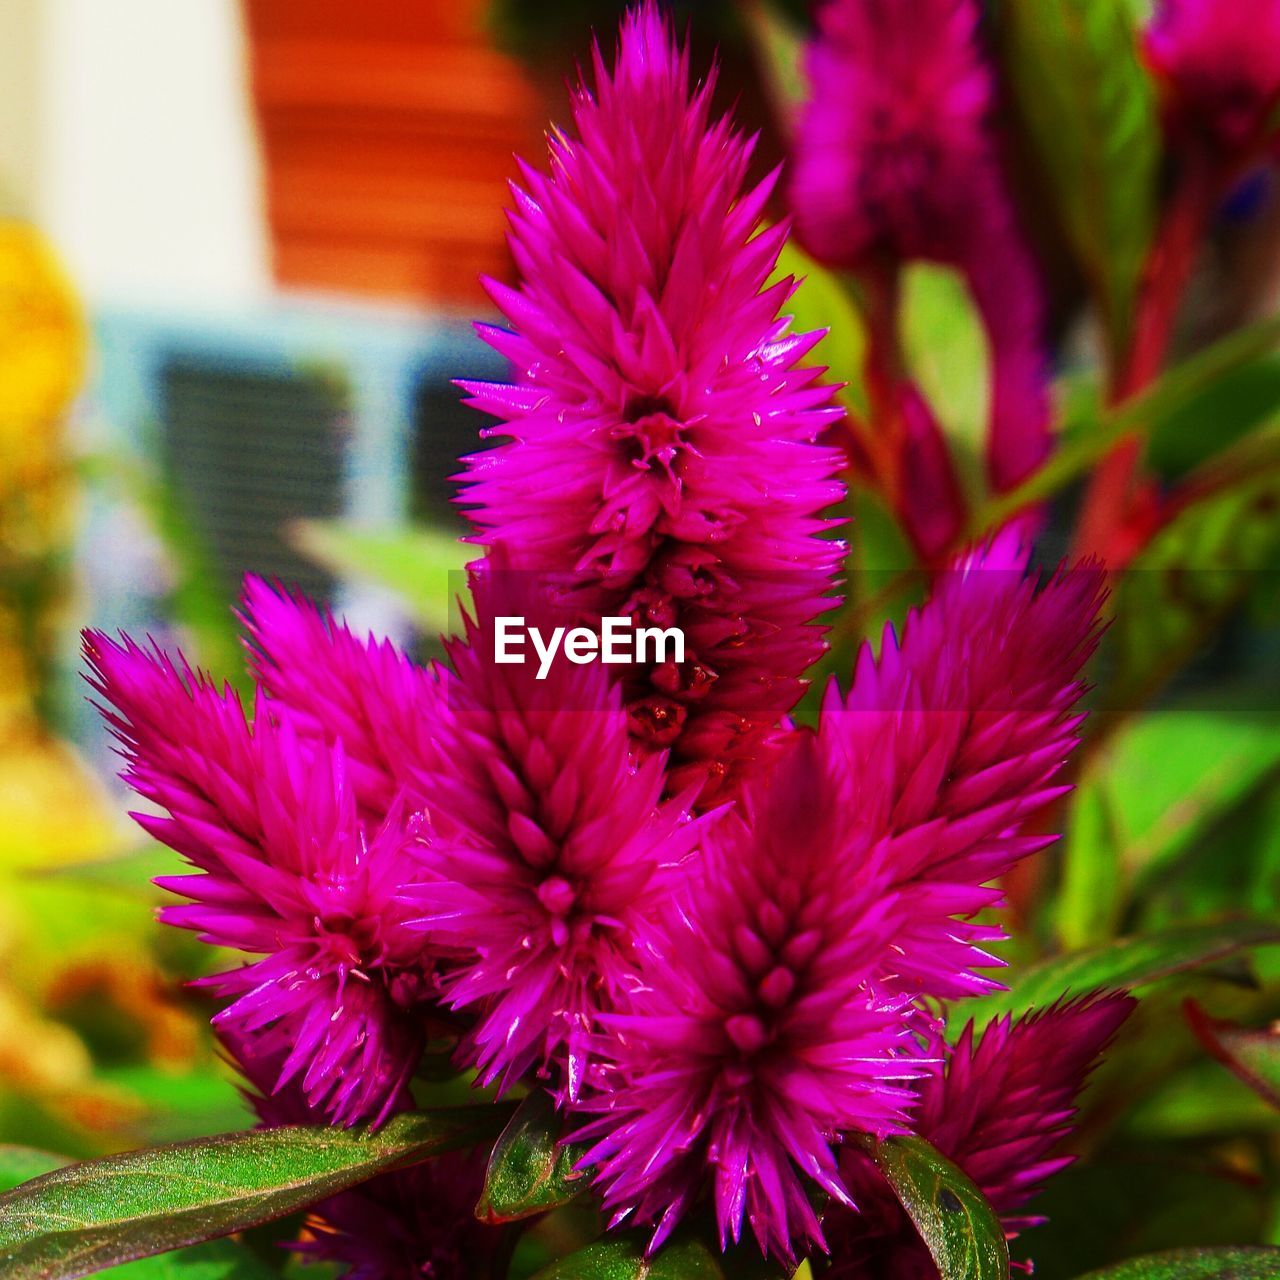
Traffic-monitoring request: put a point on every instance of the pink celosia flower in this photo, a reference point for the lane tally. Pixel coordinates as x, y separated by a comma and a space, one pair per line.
789, 1001
362, 693
953, 736
999, 1108
896, 157
662, 458
1218, 66
552, 852
548, 846
285, 870
762, 1030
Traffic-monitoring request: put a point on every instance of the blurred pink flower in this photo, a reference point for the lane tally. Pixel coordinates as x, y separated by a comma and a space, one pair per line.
1217, 63
896, 157
287, 870
662, 458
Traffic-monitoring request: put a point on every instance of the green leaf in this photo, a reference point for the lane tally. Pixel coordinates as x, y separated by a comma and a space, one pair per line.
1151, 797
1090, 109
1241, 1263
1146, 414
953, 1217
19, 1164
1203, 564
778, 43
821, 301
621, 1257
530, 1170
946, 346
213, 1260
1128, 963
422, 567
1252, 1053
88, 1216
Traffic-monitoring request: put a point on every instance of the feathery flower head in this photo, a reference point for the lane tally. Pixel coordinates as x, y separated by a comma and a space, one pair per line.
998, 1107
761, 1031
1217, 63
896, 155
662, 458
338, 688
551, 848
952, 737
285, 869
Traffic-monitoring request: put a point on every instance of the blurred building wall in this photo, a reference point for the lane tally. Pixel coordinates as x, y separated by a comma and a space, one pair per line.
20, 45
148, 173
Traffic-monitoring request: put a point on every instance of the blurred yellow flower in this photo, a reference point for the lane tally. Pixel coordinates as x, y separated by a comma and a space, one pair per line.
43, 345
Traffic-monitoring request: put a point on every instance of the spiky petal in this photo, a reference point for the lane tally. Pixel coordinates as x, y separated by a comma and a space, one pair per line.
896, 156
552, 848
952, 738
1218, 66
761, 1031
662, 457
338, 687
999, 1108
286, 870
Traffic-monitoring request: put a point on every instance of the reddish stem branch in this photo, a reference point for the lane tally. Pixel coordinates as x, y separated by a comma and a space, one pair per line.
1117, 494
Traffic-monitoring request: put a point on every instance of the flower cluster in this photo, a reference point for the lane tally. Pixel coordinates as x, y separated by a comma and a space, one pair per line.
721, 971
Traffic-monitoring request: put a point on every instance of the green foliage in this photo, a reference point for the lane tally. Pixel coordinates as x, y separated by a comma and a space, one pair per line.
87, 1216
421, 567
1130, 963
1197, 1264
1090, 109
530, 1169
953, 1217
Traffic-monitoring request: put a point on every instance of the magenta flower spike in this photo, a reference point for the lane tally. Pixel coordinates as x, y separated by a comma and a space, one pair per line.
661, 458
896, 159
1217, 63
1000, 1109
761, 1029
553, 851
286, 870
952, 737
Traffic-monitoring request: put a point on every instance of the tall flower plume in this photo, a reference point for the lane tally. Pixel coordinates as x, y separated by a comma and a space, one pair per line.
896, 158
662, 457
285, 869
999, 1107
1217, 63
790, 1004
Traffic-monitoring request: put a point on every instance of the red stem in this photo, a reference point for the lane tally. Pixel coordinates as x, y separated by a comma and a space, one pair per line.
1117, 492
